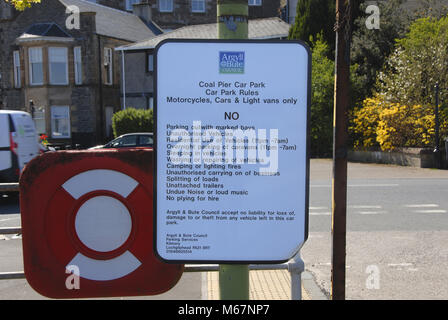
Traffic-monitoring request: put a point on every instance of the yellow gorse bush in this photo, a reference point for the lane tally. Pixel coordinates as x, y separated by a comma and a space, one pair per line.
393, 125
364, 123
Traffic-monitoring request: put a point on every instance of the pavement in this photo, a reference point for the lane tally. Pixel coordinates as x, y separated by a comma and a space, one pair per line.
263, 284
269, 285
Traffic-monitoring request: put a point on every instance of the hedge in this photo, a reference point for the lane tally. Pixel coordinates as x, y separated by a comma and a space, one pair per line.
132, 120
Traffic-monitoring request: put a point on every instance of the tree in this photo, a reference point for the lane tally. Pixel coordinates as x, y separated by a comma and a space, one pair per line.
322, 97
312, 18
319, 16
371, 47
419, 61
22, 4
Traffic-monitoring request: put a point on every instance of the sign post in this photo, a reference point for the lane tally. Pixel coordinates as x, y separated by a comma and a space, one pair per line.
340, 137
232, 24
232, 165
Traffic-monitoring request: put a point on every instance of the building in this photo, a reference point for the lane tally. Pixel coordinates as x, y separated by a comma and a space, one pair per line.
137, 78
173, 14
57, 61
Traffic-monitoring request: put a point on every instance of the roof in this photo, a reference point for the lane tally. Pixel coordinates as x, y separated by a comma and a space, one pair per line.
267, 28
45, 31
115, 23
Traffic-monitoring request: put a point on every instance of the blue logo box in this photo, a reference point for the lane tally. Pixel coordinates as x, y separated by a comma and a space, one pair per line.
231, 62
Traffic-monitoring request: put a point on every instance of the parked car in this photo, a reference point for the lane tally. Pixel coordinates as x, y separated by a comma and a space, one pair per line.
130, 140
18, 143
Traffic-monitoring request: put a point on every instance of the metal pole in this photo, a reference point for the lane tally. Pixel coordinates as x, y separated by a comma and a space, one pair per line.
339, 183
232, 18
437, 126
295, 267
123, 66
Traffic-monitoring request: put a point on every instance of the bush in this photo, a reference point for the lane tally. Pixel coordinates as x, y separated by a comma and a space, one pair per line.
132, 120
392, 125
364, 123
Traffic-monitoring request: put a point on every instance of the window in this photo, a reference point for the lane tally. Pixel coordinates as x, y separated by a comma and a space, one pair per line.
39, 120
36, 68
197, 5
255, 2
150, 63
108, 61
150, 102
146, 140
60, 122
78, 64
57, 61
126, 141
129, 4
17, 79
166, 5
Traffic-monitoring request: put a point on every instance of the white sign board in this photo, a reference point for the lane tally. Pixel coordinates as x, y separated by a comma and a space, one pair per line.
231, 177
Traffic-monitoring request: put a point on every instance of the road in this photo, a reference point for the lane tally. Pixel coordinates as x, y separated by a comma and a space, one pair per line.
397, 230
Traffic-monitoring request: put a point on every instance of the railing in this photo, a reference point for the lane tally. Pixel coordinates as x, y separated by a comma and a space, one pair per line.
295, 266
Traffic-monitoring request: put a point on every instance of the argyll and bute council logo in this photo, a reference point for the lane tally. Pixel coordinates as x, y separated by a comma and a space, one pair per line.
231, 62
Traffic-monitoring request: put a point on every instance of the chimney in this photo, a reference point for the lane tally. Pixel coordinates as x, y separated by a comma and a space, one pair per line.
143, 10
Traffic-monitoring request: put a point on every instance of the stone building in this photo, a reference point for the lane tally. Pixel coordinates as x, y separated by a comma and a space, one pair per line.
137, 77
57, 62
173, 14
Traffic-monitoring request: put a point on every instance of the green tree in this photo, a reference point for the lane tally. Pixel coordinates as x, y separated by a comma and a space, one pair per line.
419, 61
322, 97
312, 18
371, 47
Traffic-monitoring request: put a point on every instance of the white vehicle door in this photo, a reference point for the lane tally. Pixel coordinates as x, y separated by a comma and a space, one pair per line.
5, 152
26, 139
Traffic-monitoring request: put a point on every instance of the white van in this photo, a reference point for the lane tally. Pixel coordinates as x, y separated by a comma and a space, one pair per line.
18, 143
